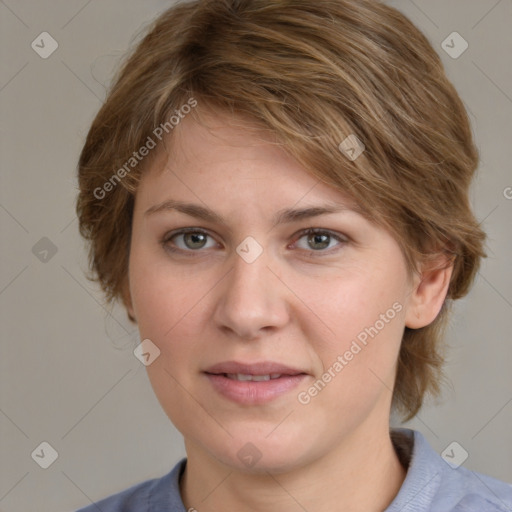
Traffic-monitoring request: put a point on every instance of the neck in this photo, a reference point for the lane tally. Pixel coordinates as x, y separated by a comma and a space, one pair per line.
362, 473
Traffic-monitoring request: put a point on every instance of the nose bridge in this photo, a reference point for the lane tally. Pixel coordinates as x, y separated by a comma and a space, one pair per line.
250, 265
252, 298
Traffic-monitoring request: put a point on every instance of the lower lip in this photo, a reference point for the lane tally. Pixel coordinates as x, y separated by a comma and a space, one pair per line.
254, 392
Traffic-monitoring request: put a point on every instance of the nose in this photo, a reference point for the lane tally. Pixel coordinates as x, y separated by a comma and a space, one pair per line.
251, 300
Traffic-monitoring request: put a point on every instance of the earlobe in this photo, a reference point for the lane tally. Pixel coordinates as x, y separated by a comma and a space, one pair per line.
429, 293
127, 301
131, 314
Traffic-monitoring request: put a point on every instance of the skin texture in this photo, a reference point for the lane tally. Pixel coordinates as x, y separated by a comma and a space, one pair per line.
299, 303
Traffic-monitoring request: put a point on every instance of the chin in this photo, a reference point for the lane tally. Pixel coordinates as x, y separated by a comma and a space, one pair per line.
258, 454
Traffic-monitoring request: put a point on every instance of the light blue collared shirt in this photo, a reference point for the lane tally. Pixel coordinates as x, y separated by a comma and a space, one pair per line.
431, 485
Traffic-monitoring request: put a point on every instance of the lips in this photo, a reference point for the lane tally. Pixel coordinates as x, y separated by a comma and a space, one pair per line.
255, 383
253, 378
263, 368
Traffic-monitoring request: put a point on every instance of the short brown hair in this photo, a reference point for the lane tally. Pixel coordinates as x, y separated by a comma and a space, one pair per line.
312, 72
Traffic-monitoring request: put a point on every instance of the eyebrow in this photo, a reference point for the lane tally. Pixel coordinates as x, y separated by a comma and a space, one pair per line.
285, 216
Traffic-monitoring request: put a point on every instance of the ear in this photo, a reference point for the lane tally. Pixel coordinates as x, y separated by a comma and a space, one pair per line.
429, 292
127, 300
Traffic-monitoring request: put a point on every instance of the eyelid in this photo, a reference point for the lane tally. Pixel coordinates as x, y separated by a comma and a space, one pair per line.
181, 231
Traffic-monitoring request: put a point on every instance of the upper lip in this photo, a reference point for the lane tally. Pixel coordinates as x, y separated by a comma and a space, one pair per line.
262, 368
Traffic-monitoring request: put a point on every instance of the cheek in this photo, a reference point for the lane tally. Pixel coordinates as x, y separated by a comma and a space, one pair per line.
346, 307
358, 366
162, 296
166, 306
362, 316
169, 305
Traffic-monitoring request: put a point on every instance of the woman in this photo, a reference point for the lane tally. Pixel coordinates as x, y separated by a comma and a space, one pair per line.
278, 193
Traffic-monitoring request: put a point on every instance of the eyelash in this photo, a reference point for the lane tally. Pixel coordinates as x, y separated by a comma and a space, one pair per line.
308, 231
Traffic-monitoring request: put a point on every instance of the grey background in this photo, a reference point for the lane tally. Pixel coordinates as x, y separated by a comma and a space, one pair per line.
68, 374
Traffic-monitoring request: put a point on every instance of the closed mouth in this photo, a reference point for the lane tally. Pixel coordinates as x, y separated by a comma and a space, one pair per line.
254, 378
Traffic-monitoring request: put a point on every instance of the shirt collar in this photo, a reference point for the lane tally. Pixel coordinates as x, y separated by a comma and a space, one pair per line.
423, 474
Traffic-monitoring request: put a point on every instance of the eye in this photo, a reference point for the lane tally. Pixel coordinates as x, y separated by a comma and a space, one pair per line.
320, 239
192, 239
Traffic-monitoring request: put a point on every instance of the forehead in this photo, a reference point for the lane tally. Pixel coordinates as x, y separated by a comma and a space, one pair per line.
209, 135
217, 152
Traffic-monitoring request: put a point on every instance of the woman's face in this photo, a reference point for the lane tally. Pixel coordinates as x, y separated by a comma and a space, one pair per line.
245, 292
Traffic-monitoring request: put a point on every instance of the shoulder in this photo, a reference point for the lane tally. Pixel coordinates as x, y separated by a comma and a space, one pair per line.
432, 484
148, 496
463, 490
